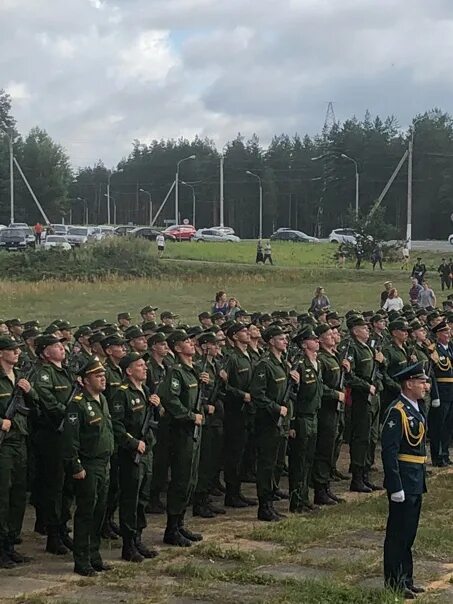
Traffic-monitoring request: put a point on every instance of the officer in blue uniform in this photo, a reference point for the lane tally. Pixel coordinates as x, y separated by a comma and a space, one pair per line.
404, 460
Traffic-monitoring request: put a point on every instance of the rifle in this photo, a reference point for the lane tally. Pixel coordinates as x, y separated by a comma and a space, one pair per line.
375, 368
343, 370
289, 386
16, 404
76, 389
151, 421
199, 402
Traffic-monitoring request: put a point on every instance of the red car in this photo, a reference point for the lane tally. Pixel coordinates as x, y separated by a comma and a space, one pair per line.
182, 232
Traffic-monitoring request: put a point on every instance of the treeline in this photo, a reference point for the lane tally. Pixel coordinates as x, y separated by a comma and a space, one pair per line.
313, 196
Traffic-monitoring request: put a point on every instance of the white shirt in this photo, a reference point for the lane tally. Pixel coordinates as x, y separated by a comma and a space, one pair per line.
393, 304
160, 240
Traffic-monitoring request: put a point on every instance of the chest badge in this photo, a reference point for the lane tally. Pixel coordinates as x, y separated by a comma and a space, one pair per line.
391, 423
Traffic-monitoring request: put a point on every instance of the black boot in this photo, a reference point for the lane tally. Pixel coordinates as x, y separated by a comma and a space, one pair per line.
367, 482
266, 513
145, 551
54, 543
5, 559
233, 499
129, 551
250, 501
201, 507
16, 557
107, 531
185, 532
172, 536
357, 484
155, 506
322, 498
113, 525
215, 508
337, 475
334, 497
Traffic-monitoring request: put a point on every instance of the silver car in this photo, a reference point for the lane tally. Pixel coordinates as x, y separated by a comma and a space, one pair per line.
214, 235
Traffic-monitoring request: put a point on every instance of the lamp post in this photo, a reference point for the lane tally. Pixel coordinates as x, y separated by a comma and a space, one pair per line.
344, 156
11, 168
150, 206
193, 200
85, 203
261, 201
110, 197
177, 187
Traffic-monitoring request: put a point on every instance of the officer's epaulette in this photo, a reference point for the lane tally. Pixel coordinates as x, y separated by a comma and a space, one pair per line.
399, 405
78, 397
124, 387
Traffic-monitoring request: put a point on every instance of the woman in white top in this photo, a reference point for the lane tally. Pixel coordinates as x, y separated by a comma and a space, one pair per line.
393, 302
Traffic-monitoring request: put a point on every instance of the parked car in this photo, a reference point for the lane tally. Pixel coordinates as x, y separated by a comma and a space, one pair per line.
59, 229
15, 239
450, 240
214, 235
78, 236
296, 236
106, 230
55, 242
124, 229
343, 236
182, 232
224, 229
18, 225
150, 234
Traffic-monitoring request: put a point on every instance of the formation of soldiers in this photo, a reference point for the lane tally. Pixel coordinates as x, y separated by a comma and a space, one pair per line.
99, 418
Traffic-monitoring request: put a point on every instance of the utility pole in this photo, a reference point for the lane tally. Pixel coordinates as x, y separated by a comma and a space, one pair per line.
409, 192
221, 191
9, 136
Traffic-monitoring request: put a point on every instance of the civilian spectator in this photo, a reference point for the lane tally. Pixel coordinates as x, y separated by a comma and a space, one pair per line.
233, 307
385, 294
221, 304
393, 302
414, 291
38, 229
320, 301
427, 297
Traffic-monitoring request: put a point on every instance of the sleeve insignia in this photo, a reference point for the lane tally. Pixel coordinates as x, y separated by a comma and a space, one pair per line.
73, 418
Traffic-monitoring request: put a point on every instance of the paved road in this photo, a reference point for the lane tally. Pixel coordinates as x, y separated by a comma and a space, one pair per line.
433, 246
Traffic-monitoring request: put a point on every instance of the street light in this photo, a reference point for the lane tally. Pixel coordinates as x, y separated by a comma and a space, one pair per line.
176, 185
193, 200
344, 156
110, 197
86, 208
261, 200
150, 206
108, 192
3, 128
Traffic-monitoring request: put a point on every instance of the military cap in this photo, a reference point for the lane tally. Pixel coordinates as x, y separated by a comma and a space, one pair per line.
387, 283
8, 343
293, 313
367, 314
305, 316
450, 297
431, 308
410, 316
321, 311
382, 312
124, 315
52, 328
432, 316
356, 321
46, 340
13, 322
415, 324
64, 325
447, 304
167, 329
207, 337
234, 329
282, 314
132, 332
185, 326
157, 338
352, 312
194, 331
97, 336
265, 317
226, 326
204, 315
413, 372
149, 326
393, 315
112, 340
271, 332
128, 359
83, 330
167, 314
320, 329
178, 335
255, 317
421, 312
30, 324
333, 316
440, 327
276, 323
375, 318
275, 313
148, 308
93, 365
215, 328
398, 324
98, 324
111, 330
306, 333
31, 332
217, 315
406, 308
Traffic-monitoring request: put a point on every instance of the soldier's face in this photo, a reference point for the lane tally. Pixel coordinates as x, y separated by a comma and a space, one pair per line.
55, 353
137, 370
139, 344
96, 381
10, 356
280, 343
327, 339
400, 335
206, 323
124, 322
186, 348
149, 316
254, 332
418, 388
443, 336
419, 334
4, 329
212, 349
312, 345
117, 351
243, 336
161, 348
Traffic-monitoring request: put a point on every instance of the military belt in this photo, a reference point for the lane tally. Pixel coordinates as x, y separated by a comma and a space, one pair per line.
412, 458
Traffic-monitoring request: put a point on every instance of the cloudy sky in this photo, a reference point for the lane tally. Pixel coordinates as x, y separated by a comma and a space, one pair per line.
97, 74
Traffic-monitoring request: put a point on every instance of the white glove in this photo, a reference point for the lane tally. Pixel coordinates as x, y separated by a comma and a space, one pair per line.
435, 402
398, 497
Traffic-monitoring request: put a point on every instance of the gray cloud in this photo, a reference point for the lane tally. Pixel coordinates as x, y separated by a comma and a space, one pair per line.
98, 73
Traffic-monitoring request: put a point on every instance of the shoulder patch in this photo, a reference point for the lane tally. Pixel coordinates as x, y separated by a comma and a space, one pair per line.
79, 397
124, 387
